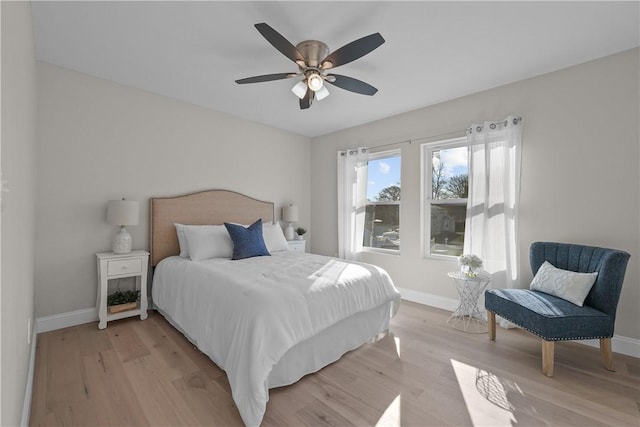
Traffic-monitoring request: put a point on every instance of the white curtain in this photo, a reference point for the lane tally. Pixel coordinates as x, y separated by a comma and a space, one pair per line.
352, 199
491, 227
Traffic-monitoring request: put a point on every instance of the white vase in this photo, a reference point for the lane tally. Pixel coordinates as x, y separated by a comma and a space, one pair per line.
289, 234
467, 270
122, 242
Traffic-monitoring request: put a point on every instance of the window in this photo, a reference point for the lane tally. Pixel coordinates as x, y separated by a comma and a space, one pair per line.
445, 166
382, 217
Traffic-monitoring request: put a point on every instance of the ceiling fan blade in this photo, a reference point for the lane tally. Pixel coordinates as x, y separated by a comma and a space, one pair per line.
352, 51
351, 84
266, 78
279, 42
307, 100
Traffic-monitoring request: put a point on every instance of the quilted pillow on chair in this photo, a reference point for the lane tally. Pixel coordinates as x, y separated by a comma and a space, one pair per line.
568, 285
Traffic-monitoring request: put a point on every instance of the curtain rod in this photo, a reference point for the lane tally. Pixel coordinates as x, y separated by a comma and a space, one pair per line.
492, 125
406, 141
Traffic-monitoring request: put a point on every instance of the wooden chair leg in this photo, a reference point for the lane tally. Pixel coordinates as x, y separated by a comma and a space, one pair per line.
547, 357
492, 325
607, 354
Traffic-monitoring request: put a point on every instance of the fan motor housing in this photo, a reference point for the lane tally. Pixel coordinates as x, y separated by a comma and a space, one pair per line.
313, 52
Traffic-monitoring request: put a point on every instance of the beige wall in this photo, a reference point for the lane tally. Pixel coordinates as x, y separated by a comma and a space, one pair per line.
580, 167
99, 140
18, 225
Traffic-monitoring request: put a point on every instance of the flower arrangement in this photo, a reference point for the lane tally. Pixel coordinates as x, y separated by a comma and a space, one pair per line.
470, 263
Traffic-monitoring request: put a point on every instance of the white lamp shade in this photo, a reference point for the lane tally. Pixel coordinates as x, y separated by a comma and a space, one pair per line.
300, 89
122, 212
290, 213
322, 93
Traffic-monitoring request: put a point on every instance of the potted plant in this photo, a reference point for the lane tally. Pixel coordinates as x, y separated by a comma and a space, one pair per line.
122, 301
300, 232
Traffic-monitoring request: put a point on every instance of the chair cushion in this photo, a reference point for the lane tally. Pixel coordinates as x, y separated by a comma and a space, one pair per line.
549, 317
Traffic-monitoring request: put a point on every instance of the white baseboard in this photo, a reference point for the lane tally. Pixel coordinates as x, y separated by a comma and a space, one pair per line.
431, 300
28, 392
619, 344
65, 320
72, 318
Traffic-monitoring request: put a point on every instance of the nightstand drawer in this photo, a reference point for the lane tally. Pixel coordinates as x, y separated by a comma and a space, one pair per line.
124, 266
297, 245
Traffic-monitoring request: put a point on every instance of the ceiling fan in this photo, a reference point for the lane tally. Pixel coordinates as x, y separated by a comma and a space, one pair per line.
313, 60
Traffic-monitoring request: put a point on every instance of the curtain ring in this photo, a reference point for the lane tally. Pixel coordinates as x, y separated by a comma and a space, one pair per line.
479, 129
515, 121
492, 125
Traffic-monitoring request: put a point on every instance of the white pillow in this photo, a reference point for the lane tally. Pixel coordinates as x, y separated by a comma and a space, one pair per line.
568, 285
182, 240
274, 238
208, 241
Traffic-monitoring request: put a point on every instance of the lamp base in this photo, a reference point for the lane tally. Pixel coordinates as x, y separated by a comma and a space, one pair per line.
122, 242
289, 233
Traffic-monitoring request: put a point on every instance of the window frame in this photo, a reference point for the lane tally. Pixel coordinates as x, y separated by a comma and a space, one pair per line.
377, 155
426, 168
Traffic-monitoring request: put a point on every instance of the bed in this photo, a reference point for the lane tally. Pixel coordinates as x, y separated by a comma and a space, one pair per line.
267, 320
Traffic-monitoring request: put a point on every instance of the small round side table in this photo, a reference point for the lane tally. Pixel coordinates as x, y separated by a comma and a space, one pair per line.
467, 316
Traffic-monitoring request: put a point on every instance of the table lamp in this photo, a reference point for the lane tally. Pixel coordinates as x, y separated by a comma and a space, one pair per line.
122, 212
289, 214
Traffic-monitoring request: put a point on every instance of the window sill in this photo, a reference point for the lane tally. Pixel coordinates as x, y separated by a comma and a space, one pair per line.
451, 258
380, 251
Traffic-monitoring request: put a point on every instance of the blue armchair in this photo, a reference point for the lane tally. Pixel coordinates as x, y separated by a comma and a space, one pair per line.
555, 319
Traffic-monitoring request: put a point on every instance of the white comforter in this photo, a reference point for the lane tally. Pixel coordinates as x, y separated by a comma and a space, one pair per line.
246, 314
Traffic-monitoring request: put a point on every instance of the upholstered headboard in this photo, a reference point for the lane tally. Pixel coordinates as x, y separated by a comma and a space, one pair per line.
205, 207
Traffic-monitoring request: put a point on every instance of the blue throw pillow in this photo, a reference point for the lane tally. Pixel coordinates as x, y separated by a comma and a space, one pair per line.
247, 242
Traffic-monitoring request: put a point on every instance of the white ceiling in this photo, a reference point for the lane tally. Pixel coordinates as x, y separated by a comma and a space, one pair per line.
434, 51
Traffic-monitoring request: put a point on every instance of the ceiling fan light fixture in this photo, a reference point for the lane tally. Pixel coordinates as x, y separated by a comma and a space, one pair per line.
322, 93
314, 81
300, 89
314, 60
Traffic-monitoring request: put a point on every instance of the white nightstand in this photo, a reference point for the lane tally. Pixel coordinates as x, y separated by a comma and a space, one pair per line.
297, 245
120, 266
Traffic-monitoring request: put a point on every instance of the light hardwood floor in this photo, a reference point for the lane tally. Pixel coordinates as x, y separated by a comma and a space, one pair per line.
424, 373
